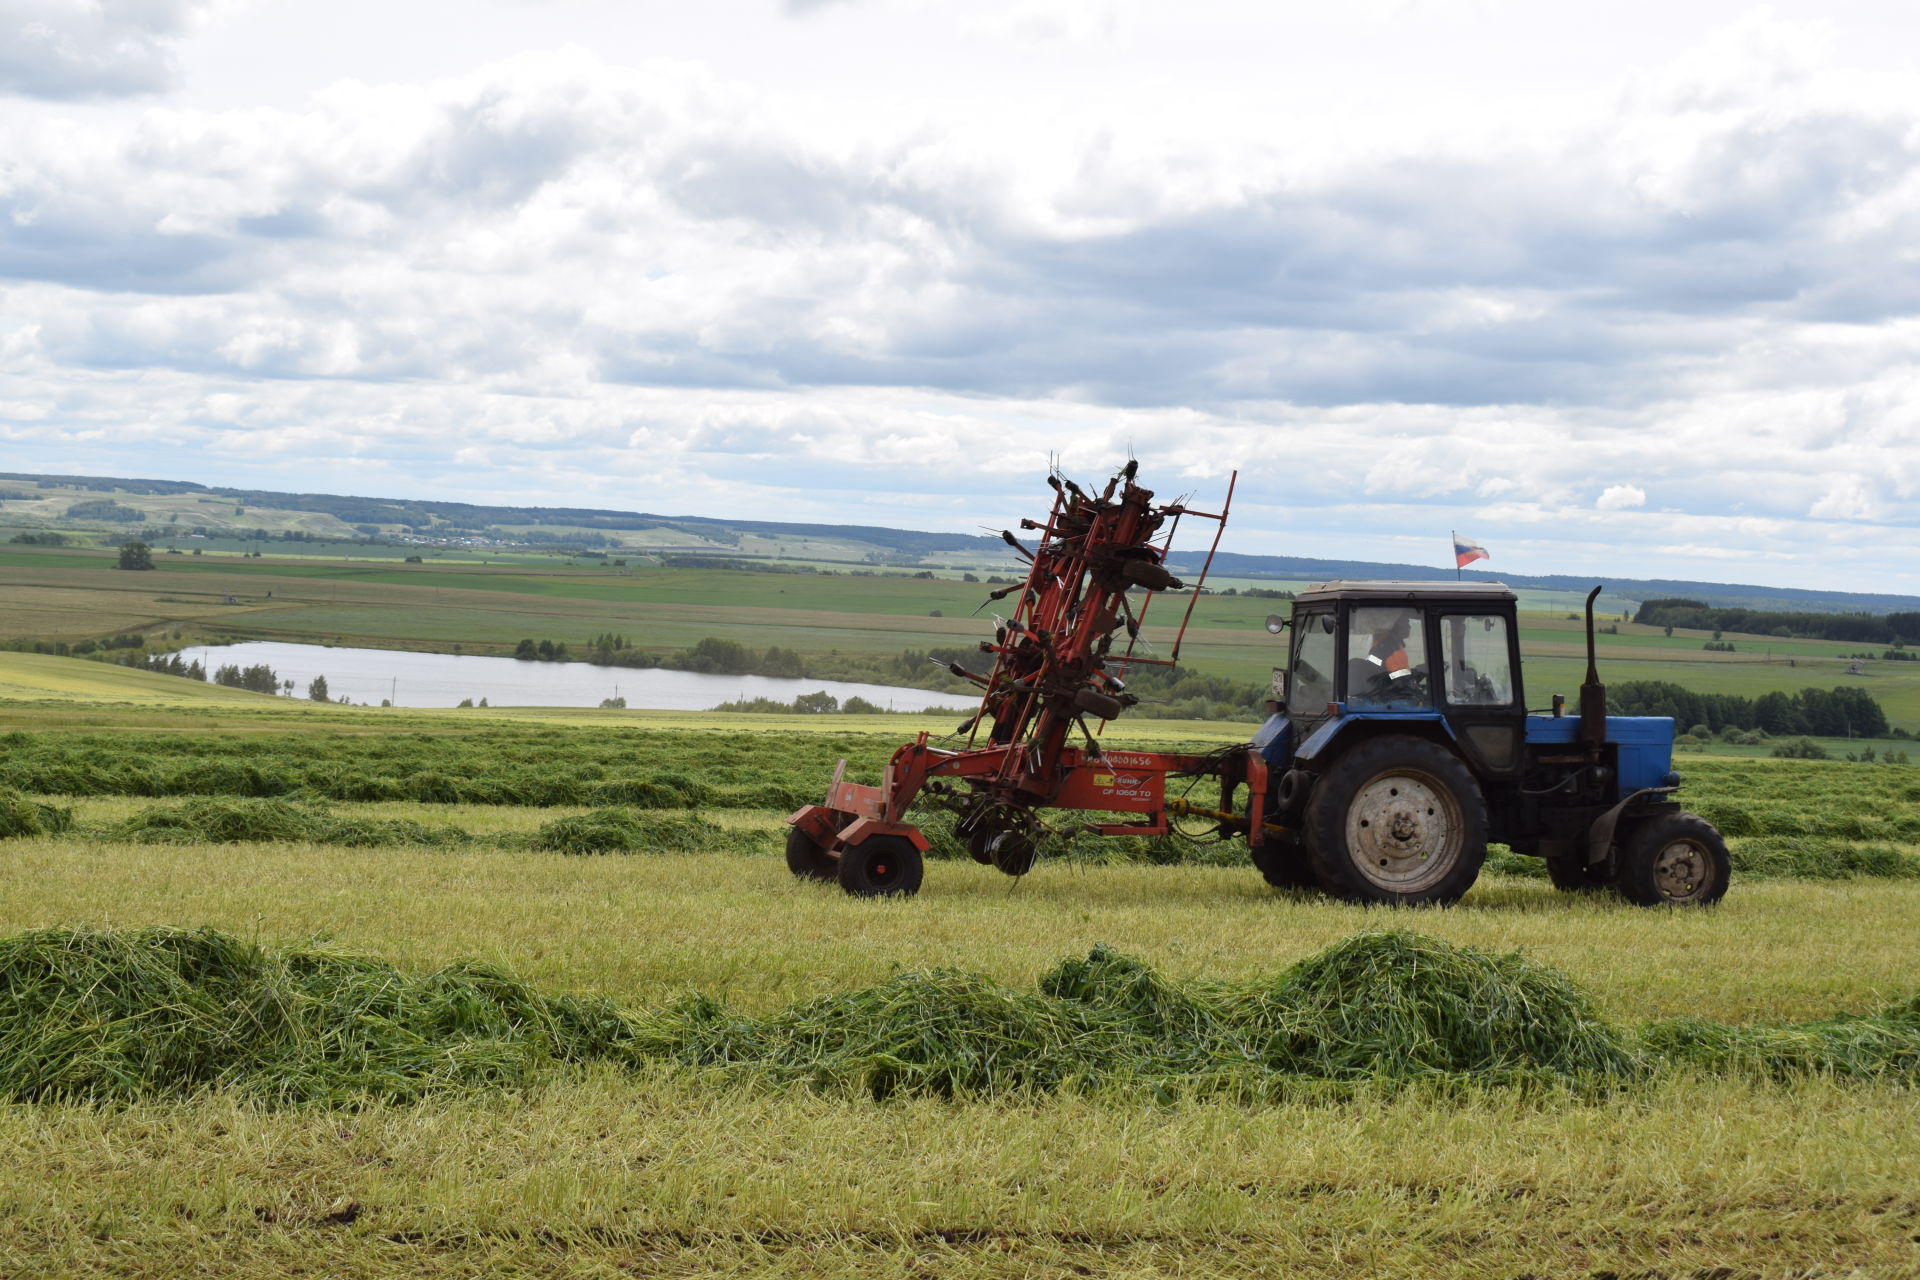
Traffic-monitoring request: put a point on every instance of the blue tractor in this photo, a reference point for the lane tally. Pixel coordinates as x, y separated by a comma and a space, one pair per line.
1401, 746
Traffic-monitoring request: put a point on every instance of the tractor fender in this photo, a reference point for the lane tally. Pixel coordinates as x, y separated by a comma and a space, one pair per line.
1347, 729
862, 829
1600, 834
1342, 733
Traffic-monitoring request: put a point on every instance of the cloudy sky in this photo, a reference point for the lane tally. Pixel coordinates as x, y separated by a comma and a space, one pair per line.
1627, 288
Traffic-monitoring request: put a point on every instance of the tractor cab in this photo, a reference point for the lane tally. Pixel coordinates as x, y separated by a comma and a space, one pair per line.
1402, 647
1445, 655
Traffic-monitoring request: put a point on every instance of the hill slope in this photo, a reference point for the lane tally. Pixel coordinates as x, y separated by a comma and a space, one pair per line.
50, 497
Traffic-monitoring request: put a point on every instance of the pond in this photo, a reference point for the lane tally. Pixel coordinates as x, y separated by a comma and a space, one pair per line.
445, 679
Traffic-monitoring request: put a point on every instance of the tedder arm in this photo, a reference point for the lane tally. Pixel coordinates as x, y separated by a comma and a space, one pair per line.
1096, 565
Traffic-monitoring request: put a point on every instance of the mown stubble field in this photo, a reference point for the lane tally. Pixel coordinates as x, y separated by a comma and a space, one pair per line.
653, 1168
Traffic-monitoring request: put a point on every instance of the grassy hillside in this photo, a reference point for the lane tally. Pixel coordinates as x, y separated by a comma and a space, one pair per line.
69, 594
93, 509
33, 677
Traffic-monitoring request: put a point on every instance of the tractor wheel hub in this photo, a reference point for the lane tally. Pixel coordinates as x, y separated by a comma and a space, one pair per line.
1403, 830
1679, 869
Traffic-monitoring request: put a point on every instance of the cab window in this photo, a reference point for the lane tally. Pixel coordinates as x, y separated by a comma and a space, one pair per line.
1478, 662
1311, 687
1386, 657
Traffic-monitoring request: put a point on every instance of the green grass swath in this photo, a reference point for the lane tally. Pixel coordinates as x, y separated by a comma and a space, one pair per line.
106, 1016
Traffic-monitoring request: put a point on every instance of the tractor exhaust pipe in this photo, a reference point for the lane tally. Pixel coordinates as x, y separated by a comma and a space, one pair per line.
1593, 694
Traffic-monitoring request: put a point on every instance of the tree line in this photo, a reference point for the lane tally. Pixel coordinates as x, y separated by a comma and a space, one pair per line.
1859, 628
1825, 713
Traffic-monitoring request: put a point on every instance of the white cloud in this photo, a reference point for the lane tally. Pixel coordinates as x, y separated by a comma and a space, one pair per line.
1035, 24
601, 276
93, 48
1846, 498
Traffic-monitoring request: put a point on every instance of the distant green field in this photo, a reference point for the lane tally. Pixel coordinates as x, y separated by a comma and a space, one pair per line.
71, 594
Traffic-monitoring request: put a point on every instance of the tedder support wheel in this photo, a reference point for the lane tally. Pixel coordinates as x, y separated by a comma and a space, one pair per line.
1675, 860
806, 859
1283, 863
1397, 820
881, 866
1571, 874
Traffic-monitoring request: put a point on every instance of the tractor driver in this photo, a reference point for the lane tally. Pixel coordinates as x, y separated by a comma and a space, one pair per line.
1383, 674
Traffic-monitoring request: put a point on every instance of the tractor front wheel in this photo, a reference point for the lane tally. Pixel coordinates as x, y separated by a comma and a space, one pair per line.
881, 867
1397, 820
1674, 860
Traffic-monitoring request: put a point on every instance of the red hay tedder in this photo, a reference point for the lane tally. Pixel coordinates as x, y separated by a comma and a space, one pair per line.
1098, 561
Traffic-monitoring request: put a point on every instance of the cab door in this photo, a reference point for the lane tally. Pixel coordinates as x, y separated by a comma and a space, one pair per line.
1310, 681
1479, 687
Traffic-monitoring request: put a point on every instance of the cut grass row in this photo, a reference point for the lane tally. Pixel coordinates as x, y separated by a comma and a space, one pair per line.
513, 766
642, 929
625, 829
500, 763
105, 1016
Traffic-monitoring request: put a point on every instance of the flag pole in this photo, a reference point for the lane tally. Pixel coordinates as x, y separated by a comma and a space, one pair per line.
1455, 535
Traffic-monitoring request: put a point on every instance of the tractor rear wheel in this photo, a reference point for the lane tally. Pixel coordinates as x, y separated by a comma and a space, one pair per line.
1397, 820
881, 867
806, 859
1674, 860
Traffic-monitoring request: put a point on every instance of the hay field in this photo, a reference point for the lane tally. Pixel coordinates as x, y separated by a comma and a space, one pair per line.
1680, 1159
604, 1169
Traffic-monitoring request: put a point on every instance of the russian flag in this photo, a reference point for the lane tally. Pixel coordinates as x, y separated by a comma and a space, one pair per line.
1465, 553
